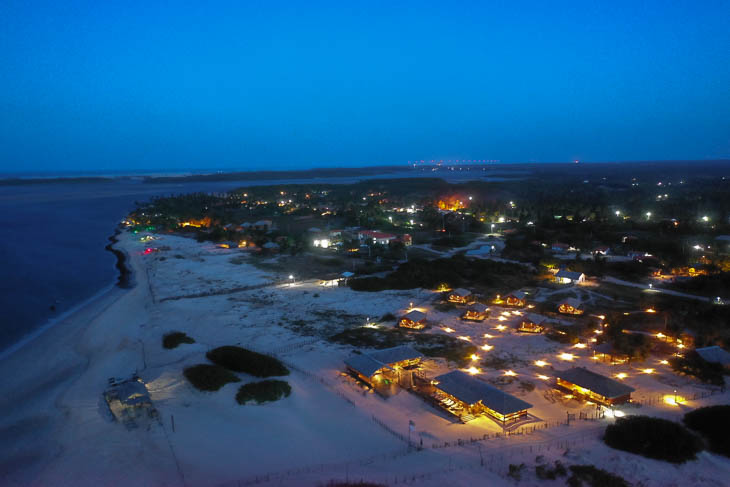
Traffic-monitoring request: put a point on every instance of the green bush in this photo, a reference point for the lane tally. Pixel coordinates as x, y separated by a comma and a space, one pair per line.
175, 338
206, 377
588, 475
653, 438
241, 360
713, 423
263, 391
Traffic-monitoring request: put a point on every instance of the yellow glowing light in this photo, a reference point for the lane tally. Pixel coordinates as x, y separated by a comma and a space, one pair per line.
502, 318
579, 345
598, 332
465, 338
648, 371
474, 356
530, 306
510, 373
486, 347
500, 327
621, 375
566, 356
650, 310
542, 377
448, 330
473, 370
540, 363
505, 313
568, 396
603, 317
595, 357
594, 340
664, 362
487, 335
660, 335
679, 345
673, 399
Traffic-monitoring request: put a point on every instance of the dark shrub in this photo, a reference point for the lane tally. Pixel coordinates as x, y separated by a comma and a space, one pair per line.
388, 317
207, 377
545, 472
457, 270
515, 471
692, 364
713, 422
175, 338
241, 360
653, 438
263, 391
588, 475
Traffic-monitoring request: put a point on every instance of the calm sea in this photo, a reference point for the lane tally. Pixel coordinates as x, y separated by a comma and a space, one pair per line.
52, 239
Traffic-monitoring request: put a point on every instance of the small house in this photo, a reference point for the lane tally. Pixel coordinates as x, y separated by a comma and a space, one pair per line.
571, 306
568, 277
381, 365
602, 250
593, 386
413, 319
532, 323
460, 296
270, 247
515, 298
375, 237
474, 396
714, 355
476, 312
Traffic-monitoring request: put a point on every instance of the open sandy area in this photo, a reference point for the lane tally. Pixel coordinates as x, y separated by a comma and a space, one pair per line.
55, 428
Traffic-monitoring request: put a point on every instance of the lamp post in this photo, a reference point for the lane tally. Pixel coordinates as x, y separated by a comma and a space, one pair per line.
291, 279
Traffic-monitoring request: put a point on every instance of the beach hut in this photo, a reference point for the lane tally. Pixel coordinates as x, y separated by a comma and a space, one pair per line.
532, 323
467, 395
515, 298
476, 312
460, 296
568, 277
375, 367
714, 355
571, 306
593, 386
413, 319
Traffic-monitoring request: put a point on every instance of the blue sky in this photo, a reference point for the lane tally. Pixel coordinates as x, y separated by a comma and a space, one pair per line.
251, 85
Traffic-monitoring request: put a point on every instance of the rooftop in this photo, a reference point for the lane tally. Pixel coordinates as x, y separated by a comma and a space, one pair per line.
714, 354
597, 383
472, 390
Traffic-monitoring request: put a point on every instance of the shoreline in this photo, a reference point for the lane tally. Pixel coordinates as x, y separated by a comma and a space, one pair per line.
125, 281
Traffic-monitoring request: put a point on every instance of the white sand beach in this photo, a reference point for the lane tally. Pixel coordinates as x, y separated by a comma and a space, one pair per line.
55, 428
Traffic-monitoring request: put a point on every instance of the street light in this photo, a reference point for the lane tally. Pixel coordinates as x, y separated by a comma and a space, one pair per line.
648, 215
618, 213
291, 278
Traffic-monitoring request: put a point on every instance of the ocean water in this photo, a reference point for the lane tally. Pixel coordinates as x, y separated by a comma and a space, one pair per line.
52, 239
